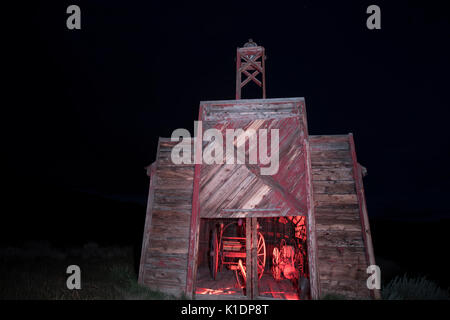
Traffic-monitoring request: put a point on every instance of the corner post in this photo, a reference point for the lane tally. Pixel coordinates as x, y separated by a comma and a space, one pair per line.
311, 230
367, 237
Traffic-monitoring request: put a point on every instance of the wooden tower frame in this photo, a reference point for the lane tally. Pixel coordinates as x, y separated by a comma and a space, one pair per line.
250, 62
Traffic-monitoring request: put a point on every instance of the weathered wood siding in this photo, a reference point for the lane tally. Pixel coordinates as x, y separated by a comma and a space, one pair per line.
228, 187
166, 234
341, 251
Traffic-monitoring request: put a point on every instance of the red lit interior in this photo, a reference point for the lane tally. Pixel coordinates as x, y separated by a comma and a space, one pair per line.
285, 269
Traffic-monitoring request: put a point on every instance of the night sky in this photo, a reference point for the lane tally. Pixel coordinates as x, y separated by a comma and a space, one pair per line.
83, 109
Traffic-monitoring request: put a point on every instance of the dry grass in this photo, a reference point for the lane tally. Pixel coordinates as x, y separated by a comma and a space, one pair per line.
38, 271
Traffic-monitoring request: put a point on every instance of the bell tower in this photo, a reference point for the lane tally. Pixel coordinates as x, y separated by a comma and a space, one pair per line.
250, 63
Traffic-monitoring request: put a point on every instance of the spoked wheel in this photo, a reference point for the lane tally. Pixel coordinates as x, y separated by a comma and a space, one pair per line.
214, 250
261, 255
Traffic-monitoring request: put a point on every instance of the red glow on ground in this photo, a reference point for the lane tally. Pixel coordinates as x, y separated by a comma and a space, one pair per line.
231, 291
222, 291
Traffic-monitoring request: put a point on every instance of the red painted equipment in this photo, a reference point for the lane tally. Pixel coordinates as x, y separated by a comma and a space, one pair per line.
288, 261
227, 249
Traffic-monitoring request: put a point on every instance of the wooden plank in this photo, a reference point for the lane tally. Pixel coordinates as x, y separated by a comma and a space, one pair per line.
335, 199
311, 227
333, 271
363, 210
237, 102
337, 225
339, 238
341, 255
263, 75
168, 246
238, 75
248, 259
330, 156
165, 155
337, 208
174, 216
174, 184
167, 261
172, 206
148, 223
165, 276
315, 138
254, 257
195, 219
249, 107
335, 174
253, 110
179, 197
170, 231
178, 172
334, 187
329, 218
257, 214
330, 145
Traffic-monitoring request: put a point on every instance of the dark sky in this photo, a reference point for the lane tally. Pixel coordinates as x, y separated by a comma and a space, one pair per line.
83, 109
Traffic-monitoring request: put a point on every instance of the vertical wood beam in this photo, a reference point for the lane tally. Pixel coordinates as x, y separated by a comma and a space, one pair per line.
248, 257
148, 219
238, 74
367, 236
195, 218
254, 258
263, 63
314, 277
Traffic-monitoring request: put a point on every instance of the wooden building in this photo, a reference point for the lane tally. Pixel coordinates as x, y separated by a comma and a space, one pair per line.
227, 230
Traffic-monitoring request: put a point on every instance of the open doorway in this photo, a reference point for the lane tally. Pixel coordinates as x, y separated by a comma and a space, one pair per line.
286, 273
221, 258
279, 255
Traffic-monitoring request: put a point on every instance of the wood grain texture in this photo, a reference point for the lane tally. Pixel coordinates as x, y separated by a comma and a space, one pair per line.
341, 249
367, 237
165, 254
242, 186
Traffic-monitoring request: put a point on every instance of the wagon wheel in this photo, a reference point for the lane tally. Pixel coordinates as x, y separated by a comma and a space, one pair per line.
261, 255
214, 250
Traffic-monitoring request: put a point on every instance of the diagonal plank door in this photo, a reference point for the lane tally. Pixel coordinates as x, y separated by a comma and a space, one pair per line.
227, 187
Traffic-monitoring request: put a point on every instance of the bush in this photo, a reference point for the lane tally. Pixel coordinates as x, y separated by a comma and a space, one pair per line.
419, 288
129, 289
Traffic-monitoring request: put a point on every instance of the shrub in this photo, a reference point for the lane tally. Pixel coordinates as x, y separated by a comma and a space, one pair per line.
418, 288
